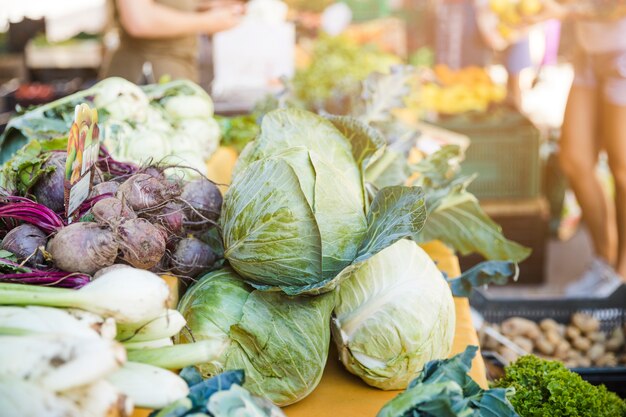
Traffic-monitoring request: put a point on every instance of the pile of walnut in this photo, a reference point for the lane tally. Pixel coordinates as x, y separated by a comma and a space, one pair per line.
580, 344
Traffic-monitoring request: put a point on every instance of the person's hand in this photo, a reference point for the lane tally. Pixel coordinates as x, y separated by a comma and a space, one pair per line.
224, 17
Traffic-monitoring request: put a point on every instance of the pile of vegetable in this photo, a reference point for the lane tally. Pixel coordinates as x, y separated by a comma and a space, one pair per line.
580, 344
548, 388
75, 356
135, 216
169, 123
336, 66
307, 241
319, 237
99, 351
464, 90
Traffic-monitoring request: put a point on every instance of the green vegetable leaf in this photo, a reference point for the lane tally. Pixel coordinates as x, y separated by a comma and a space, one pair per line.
456, 218
8, 264
426, 400
396, 213
191, 375
5, 254
285, 354
365, 140
445, 389
494, 272
388, 170
440, 168
453, 369
382, 93
548, 388
265, 215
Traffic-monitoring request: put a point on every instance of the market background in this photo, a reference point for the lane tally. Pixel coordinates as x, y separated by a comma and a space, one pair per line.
50, 50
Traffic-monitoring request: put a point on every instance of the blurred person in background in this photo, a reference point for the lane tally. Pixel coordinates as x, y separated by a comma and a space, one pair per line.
460, 43
595, 119
163, 33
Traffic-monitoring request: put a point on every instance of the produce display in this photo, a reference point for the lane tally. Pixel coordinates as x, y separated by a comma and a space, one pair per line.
512, 14
547, 388
334, 69
316, 241
580, 344
464, 90
167, 123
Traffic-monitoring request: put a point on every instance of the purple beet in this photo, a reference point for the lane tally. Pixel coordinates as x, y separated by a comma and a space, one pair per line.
204, 200
142, 244
24, 242
49, 189
192, 257
83, 247
112, 211
108, 187
145, 192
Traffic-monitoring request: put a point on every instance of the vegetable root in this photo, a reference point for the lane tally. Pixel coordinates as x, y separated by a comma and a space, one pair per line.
83, 247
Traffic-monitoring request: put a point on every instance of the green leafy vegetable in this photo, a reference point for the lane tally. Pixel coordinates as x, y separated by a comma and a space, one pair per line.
280, 342
493, 272
337, 66
296, 213
381, 93
444, 389
547, 388
455, 216
25, 168
238, 131
383, 334
399, 212
220, 396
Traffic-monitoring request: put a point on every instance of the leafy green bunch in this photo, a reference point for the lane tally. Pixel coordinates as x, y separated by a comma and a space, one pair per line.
548, 389
337, 67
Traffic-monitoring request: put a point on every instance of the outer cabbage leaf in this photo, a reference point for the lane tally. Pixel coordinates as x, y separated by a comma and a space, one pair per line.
280, 342
485, 273
365, 141
456, 218
287, 128
396, 213
237, 402
394, 313
340, 216
390, 169
270, 233
444, 389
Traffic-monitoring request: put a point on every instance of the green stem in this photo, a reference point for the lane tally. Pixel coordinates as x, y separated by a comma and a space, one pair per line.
178, 356
18, 294
379, 166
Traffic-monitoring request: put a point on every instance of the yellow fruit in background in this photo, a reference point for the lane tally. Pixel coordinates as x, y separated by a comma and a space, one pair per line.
498, 93
505, 31
510, 15
498, 6
530, 7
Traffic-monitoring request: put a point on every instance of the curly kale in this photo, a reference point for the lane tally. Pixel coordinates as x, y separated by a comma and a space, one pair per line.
548, 389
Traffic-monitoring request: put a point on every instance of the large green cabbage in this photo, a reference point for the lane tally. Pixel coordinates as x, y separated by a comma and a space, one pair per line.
297, 211
394, 313
280, 342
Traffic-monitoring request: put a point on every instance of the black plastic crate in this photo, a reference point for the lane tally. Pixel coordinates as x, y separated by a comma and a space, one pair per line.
610, 311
